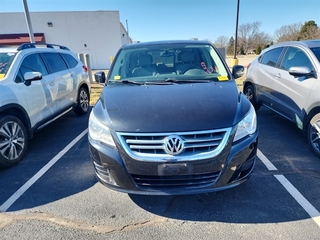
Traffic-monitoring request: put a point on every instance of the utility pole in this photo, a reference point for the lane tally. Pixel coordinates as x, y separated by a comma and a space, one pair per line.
128, 31
27, 15
234, 61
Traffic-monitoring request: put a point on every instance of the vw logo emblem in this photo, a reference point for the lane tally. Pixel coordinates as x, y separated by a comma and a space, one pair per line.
173, 145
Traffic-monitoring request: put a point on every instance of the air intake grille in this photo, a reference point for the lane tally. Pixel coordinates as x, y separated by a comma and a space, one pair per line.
174, 182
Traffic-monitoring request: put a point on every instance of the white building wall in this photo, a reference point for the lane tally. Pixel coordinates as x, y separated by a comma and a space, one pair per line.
98, 33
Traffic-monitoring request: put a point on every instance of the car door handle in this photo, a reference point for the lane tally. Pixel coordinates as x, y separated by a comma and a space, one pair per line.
51, 83
277, 75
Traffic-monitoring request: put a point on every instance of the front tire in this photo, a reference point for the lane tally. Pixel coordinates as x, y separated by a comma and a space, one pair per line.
313, 134
13, 140
250, 94
83, 102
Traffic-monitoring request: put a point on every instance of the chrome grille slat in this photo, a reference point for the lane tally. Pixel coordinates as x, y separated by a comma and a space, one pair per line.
197, 145
203, 140
145, 147
201, 145
144, 141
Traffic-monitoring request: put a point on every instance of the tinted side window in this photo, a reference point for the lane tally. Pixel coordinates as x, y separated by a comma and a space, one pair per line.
19, 78
33, 63
316, 52
295, 57
271, 57
71, 61
55, 62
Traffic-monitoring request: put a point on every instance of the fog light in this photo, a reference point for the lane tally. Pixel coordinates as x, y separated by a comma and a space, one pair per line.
104, 174
108, 177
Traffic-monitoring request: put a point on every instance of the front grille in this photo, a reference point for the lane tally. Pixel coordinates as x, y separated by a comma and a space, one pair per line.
174, 182
197, 145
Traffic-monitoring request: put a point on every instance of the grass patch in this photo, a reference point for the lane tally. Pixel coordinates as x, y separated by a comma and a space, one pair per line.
95, 94
239, 82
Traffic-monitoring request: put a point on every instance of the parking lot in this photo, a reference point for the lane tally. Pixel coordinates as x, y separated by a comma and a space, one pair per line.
53, 194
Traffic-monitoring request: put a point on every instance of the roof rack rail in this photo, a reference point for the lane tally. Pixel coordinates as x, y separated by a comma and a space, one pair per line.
33, 45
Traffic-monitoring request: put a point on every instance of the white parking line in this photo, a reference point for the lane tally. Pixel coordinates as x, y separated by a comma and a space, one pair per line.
266, 161
4, 207
311, 210
314, 214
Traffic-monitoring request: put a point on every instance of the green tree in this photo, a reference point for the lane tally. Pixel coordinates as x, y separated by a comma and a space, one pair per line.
309, 31
230, 48
258, 50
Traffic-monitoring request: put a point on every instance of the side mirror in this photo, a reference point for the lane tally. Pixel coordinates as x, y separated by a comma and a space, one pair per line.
100, 77
300, 71
237, 71
31, 76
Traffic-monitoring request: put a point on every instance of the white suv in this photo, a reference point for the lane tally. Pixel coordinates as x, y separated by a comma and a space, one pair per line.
38, 83
286, 79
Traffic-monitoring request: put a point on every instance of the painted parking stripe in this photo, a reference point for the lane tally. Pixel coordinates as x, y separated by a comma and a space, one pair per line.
300, 199
5, 206
266, 161
304, 203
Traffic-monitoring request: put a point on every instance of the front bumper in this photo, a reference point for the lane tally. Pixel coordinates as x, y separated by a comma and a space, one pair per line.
230, 168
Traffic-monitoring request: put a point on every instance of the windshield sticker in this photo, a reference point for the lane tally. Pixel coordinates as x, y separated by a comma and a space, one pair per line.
117, 77
223, 78
2, 75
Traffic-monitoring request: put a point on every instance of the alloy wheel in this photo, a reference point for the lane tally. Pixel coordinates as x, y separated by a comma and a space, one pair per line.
84, 100
12, 140
314, 136
249, 93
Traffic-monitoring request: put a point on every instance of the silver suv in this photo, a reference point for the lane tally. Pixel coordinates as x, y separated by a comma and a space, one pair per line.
38, 83
286, 78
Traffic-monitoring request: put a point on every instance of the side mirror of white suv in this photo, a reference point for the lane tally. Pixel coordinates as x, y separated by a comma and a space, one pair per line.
31, 76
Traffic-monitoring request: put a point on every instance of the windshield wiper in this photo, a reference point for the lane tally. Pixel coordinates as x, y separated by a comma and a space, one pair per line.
132, 82
146, 83
187, 80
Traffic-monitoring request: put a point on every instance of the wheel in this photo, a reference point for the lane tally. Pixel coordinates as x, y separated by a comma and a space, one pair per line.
13, 140
314, 134
249, 92
83, 102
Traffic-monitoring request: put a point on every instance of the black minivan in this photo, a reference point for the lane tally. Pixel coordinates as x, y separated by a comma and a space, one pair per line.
171, 120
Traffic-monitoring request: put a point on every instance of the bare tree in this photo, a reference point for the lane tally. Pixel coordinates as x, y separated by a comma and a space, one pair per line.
247, 34
288, 32
261, 39
221, 42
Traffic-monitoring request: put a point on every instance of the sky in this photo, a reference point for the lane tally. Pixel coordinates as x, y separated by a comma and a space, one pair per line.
149, 20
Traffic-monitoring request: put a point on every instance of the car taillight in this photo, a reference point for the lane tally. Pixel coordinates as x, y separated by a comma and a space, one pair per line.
85, 69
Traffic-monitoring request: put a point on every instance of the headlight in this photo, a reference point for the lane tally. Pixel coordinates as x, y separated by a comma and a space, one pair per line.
247, 126
99, 132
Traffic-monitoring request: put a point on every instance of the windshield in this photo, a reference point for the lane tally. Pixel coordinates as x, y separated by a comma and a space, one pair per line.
168, 63
5, 61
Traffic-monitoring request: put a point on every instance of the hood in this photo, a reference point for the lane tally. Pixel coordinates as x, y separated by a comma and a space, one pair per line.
170, 108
